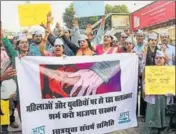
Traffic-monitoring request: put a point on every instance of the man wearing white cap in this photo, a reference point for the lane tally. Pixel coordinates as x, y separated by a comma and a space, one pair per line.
139, 46
166, 47
140, 41
34, 47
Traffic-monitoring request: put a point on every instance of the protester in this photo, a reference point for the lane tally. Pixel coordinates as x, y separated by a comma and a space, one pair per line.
167, 48
95, 39
14, 41
149, 53
60, 34
150, 50
106, 47
6, 75
58, 47
36, 40
85, 46
5, 61
123, 37
156, 120
129, 45
115, 42
63, 42
12, 53
139, 46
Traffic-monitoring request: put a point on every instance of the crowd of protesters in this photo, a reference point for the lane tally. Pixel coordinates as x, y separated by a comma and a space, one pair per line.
153, 49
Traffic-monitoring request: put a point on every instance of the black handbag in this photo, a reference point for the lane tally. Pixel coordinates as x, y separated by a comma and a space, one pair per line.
171, 110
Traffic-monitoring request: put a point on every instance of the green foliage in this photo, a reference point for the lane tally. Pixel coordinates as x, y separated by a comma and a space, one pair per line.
116, 9
68, 16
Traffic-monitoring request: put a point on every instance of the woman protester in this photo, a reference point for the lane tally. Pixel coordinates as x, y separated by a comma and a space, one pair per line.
58, 49
129, 45
23, 46
148, 56
156, 121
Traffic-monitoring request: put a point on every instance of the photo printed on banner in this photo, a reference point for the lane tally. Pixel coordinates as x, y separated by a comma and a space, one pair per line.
72, 80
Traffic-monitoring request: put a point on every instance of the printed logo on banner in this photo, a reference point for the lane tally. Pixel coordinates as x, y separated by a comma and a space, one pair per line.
136, 21
38, 130
124, 117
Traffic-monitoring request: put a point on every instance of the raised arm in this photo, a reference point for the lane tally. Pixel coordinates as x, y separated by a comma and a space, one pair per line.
43, 43
100, 33
71, 45
9, 47
75, 33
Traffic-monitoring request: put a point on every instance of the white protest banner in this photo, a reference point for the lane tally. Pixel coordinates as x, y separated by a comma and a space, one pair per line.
89, 8
78, 95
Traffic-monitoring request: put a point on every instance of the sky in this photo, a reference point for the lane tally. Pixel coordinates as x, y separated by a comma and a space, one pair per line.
10, 19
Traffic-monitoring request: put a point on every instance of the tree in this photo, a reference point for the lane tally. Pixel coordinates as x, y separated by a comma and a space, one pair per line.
116, 9
68, 15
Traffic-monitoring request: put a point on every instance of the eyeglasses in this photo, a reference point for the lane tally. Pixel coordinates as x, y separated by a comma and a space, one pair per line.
159, 58
81, 41
153, 40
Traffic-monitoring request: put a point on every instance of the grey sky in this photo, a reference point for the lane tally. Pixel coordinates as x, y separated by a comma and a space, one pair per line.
9, 10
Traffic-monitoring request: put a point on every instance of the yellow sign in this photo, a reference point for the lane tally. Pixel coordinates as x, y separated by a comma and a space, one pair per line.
159, 80
5, 118
120, 20
33, 14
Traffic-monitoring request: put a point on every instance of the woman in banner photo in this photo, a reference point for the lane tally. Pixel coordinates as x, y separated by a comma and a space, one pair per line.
80, 79
156, 121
